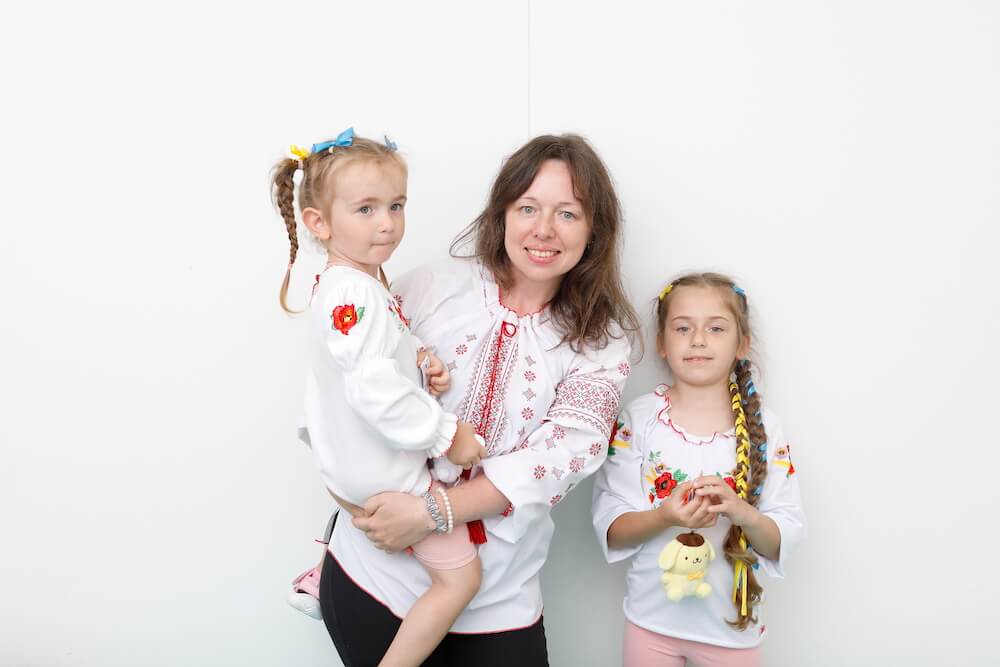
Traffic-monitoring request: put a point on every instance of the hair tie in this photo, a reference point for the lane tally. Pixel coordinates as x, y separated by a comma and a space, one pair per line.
389, 143
666, 290
739, 290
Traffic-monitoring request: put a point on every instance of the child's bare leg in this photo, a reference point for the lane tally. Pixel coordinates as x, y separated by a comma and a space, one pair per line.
433, 614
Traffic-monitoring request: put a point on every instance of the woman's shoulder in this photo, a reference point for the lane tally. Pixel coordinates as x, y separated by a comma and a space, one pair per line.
452, 275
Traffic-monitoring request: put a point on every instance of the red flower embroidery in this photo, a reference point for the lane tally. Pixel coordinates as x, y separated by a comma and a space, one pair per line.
664, 484
730, 481
595, 449
346, 316
461, 349
558, 432
623, 368
527, 413
554, 499
539, 472
576, 463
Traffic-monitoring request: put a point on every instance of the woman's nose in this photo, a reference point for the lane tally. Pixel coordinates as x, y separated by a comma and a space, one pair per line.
544, 228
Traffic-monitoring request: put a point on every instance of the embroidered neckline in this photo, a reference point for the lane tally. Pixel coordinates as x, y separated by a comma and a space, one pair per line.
663, 416
493, 297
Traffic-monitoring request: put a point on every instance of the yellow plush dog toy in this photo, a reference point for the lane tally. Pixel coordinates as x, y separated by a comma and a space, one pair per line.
684, 562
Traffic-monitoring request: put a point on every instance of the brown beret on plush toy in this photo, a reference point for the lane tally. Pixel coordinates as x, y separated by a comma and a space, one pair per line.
685, 561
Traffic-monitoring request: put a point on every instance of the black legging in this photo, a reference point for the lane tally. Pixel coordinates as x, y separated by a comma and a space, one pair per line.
362, 629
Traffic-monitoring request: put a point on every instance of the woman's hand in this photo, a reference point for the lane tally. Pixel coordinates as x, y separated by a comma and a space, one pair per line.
722, 499
395, 521
684, 508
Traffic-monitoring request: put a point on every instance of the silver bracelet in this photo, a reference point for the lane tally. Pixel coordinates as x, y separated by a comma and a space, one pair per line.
441, 524
447, 509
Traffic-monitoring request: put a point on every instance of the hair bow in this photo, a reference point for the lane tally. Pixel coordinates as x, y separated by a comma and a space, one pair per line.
666, 291
389, 143
345, 138
739, 290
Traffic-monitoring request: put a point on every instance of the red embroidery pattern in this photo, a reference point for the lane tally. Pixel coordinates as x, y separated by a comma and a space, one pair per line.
624, 368
527, 414
588, 399
558, 432
461, 349
483, 405
576, 463
554, 499
529, 376
539, 472
595, 449
346, 316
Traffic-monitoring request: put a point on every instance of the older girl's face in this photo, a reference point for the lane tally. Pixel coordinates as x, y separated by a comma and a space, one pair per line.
546, 228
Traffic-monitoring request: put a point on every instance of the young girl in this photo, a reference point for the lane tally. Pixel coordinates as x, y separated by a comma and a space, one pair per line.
698, 489
371, 425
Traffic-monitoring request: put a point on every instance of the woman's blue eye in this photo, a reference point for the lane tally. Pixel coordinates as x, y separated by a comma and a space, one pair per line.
365, 210
567, 215
527, 210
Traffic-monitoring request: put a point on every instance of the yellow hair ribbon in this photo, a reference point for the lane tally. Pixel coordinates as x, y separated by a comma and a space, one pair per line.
298, 152
742, 465
666, 291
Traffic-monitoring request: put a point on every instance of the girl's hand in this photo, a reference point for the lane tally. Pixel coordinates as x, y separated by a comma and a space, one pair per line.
438, 377
395, 521
723, 500
683, 508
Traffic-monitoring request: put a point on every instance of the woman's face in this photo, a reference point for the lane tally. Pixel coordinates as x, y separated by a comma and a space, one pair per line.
546, 229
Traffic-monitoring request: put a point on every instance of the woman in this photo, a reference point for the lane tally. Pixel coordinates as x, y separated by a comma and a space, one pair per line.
534, 329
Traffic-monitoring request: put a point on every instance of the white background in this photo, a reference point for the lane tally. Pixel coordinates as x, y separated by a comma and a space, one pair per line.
841, 159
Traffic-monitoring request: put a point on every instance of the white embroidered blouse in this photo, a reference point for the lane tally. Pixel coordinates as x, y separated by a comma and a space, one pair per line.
545, 413
649, 457
370, 423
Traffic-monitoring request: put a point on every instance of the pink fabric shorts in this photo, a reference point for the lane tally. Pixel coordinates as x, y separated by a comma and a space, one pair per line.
643, 648
446, 551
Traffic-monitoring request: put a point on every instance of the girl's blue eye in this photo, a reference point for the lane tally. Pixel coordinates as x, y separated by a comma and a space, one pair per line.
365, 210
716, 329
397, 207
682, 329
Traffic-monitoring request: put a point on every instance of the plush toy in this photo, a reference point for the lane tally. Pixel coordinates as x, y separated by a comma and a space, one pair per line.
685, 562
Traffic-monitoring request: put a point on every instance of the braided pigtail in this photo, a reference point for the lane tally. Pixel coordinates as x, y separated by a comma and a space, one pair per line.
283, 195
746, 590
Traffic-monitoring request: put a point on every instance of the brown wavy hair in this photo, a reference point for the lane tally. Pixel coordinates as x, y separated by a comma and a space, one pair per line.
590, 300
756, 472
316, 188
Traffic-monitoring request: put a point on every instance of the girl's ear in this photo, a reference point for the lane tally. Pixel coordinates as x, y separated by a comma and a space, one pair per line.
743, 351
660, 346
315, 223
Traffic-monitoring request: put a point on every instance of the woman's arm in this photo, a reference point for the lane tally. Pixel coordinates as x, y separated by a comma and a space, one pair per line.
399, 520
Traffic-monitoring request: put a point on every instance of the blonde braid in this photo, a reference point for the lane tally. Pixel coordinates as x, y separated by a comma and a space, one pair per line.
746, 590
283, 194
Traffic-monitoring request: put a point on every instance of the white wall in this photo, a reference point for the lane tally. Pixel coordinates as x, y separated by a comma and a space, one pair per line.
840, 158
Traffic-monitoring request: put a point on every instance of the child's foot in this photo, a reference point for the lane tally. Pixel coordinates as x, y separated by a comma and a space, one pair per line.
305, 594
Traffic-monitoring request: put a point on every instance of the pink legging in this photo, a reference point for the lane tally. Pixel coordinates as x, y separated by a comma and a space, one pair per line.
643, 648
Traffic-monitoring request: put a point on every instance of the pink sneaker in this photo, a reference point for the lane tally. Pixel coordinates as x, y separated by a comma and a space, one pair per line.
305, 594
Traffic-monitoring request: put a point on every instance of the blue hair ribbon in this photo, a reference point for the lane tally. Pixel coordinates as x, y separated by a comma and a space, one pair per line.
345, 138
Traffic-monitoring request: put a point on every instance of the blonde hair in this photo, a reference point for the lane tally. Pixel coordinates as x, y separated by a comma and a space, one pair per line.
316, 188
751, 448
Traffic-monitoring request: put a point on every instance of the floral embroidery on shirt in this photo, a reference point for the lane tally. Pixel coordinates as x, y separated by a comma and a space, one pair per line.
539, 472
346, 316
576, 463
595, 449
556, 498
624, 368
529, 376
620, 437
558, 432
783, 458
662, 479
527, 414
461, 349
396, 310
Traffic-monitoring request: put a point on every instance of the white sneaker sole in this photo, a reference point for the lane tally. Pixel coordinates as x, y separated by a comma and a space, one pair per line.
307, 604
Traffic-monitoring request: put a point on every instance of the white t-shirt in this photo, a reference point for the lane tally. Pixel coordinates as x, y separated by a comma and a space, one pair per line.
546, 413
370, 423
649, 456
